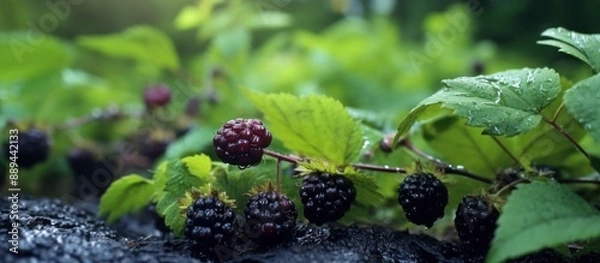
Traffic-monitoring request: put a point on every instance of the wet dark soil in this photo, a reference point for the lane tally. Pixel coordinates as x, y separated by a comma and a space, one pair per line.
51, 231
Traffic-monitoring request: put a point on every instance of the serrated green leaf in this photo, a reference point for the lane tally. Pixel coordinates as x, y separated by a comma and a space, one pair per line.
506, 103
367, 191
582, 102
160, 178
315, 126
542, 214
199, 166
179, 182
141, 43
25, 55
566, 48
238, 183
125, 195
585, 47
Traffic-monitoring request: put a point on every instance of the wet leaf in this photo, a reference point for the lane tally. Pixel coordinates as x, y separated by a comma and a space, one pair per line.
542, 214
585, 47
506, 103
582, 102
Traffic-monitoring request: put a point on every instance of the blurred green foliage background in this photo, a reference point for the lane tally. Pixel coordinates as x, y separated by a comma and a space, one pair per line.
65, 62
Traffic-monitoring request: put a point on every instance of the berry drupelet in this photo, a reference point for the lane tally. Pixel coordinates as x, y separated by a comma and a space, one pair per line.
475, 222
270, 217
326, 197
423, 198
209, 222
241, 142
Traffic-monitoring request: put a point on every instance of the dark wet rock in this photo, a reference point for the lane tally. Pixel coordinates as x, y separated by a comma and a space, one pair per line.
51, 231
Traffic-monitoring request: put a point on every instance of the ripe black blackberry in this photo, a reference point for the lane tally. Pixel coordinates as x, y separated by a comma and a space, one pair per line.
157, 96
270, 217
475, 222
241, 142
33, 148
210, 222
423, 198
326, 197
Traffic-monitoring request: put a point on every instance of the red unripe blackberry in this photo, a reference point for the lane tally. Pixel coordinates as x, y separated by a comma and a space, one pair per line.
270, 218
423, 198
241, 142
326, 197
157, 96
33, 147
475, 222
209, 222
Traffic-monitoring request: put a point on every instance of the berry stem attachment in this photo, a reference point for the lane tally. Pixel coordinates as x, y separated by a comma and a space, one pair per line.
566, 134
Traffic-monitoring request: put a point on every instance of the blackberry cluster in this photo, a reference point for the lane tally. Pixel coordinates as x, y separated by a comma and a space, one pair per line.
157, 96
209, 222
475, 222
270, 218
423, 198
241, 142
326, 197
34, 147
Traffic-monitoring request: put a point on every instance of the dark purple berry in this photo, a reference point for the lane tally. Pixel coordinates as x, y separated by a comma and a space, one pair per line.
209, 222
82, 161
423, 198
157, 96
475, 222
32, 147
270, 218
241, 142
326, 197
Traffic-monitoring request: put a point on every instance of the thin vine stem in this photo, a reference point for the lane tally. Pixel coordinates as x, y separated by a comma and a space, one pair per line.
408, 145
510, 154
386, 169
578, 181
557, 112
566, 135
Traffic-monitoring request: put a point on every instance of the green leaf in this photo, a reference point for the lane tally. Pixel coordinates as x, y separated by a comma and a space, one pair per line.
446, 135
199, 166
367, 191
25, 55
582, 102
546, 145
585, 47
160, 178
315, 126
144, 44
542, 214
237, 183
506, 103
181, 180
126, 195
